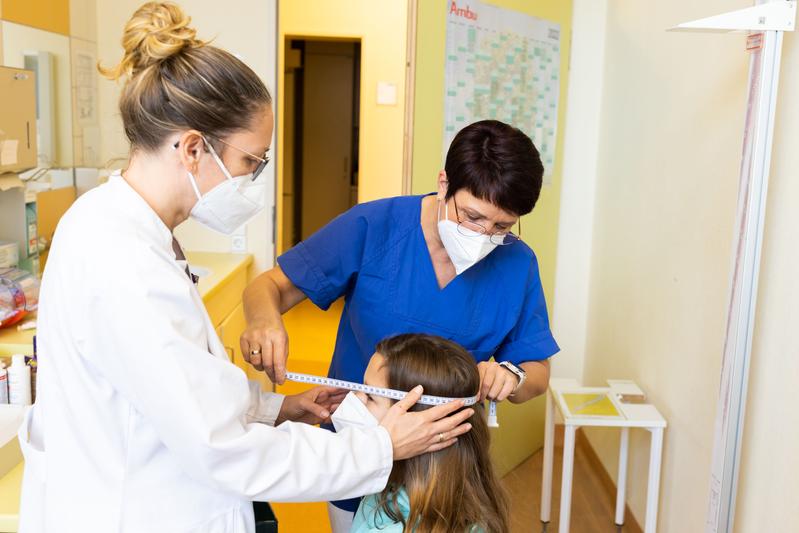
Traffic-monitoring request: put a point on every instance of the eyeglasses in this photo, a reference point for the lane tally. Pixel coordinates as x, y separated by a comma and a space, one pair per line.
262, 161
473, 229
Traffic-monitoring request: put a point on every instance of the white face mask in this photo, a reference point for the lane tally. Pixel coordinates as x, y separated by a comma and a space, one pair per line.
353, 413
230, 204
463, 250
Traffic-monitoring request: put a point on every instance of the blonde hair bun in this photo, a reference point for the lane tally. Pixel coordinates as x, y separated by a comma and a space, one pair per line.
155, 32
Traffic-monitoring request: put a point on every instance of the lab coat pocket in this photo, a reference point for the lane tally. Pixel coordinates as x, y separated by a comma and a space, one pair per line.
32, 500
32, 449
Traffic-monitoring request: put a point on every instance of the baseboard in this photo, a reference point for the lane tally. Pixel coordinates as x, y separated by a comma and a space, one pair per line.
581, 441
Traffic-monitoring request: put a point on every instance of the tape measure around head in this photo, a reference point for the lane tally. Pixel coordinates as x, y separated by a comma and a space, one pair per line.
377, 391
389, 393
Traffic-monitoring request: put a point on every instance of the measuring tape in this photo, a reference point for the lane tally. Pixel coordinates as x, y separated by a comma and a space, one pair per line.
389, 393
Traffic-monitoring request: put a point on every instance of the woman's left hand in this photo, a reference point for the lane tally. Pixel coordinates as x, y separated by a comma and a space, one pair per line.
311, 407
496, 383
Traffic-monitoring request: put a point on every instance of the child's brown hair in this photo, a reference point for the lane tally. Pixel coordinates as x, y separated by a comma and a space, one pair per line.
454, 489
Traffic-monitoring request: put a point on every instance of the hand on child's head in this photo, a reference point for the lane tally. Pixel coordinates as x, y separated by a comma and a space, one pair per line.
376, 375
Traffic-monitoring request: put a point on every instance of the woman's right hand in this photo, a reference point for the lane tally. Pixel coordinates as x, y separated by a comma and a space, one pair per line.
266, 347
425, 431
266, 298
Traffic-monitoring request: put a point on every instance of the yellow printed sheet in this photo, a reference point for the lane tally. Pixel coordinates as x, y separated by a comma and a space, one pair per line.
591, 404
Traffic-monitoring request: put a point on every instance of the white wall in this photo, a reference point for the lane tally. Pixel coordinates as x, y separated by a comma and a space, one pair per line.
768, 495
248, 29
658, 233
581, 146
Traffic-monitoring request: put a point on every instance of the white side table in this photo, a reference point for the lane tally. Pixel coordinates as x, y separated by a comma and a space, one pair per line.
633, 415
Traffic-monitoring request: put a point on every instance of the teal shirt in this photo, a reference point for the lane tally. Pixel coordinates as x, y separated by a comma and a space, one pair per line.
368, 519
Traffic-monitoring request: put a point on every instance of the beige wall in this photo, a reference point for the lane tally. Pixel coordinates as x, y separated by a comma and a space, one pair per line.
660, 255
248, 29
83, 19
581, 147
669, 143
768, 495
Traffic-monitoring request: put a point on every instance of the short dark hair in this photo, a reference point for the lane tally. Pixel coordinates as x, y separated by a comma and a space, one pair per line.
497, 163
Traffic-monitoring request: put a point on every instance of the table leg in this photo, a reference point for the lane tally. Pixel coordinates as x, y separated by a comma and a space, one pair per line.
566, 484
652, 492
549, 449
621, 482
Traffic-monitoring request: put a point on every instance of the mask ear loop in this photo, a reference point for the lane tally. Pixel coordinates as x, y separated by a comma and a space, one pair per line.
219, 162
194, 185
446, 210
192, 179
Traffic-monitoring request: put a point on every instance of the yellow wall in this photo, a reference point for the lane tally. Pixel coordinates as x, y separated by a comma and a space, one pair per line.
286, 198
540, 228
49, 15
381, 25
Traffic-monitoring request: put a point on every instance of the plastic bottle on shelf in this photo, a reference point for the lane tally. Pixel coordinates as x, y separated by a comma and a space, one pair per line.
3, 383
19, 381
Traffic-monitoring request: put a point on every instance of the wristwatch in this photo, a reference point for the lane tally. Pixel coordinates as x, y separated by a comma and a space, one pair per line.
518, 372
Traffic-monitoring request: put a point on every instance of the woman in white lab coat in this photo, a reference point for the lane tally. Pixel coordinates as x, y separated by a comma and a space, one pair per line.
142, 424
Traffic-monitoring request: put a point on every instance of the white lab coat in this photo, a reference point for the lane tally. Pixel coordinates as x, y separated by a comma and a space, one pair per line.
142, 424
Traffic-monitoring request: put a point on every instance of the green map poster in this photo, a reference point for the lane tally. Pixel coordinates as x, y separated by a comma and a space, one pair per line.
503, 65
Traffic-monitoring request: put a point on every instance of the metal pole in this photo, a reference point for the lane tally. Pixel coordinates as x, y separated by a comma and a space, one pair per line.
763, 81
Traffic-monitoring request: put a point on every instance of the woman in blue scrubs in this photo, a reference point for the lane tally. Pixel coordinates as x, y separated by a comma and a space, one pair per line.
445, 263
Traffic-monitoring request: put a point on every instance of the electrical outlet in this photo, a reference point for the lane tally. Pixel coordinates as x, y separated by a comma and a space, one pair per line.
238, 244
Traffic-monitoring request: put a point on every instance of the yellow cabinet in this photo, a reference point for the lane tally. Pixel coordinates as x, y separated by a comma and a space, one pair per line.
229, 331
221, 286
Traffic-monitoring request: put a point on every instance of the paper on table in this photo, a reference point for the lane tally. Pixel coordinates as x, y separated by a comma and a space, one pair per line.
8, 152
592, 404
10, 181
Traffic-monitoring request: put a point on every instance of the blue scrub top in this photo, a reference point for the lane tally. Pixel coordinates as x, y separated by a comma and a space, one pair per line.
375, 255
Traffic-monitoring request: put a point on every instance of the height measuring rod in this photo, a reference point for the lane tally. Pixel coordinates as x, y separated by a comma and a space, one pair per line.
765, 22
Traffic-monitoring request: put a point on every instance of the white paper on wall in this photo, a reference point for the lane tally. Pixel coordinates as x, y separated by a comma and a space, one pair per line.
503, 65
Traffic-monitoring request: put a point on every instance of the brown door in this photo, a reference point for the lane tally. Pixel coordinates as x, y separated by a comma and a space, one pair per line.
327, 136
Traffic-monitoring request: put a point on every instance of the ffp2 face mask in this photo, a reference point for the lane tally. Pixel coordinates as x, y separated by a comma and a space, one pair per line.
464, 251
230, 204
353, 413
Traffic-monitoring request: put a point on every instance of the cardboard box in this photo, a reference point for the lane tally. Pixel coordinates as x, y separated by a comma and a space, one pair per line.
17, 120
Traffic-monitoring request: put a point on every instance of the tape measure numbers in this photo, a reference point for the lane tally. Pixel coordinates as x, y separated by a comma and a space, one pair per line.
388, 393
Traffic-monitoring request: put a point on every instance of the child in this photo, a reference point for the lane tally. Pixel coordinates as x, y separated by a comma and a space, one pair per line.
452, 490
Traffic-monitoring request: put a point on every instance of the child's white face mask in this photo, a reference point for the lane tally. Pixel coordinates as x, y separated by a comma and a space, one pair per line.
353, 413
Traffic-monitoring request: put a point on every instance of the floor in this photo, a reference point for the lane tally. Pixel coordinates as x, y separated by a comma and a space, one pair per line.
593, 507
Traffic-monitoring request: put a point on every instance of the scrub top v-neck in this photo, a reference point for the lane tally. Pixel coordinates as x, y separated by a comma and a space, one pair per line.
376, 257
